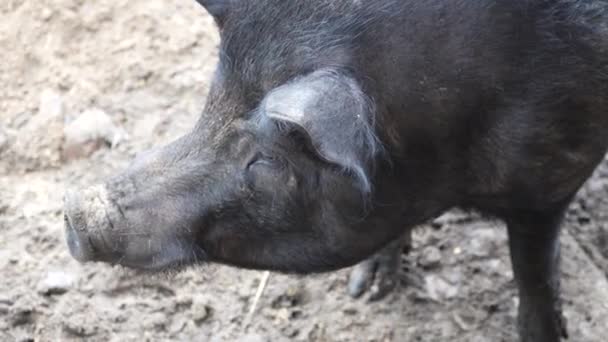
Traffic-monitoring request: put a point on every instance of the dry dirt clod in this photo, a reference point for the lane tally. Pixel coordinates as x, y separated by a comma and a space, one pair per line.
56, 283
22, 312
438, 289
467, 319
293, 296
78, 329
89, 132
430, 257
177, 326
46, 14
201, 312
290, 331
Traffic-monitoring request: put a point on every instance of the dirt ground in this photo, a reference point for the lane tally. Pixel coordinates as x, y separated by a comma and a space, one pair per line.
147, 64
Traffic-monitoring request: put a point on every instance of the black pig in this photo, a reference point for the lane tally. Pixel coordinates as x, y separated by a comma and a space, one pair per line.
334, 126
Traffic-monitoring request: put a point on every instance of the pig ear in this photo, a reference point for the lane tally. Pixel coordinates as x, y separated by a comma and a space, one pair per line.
217, 8
335, 115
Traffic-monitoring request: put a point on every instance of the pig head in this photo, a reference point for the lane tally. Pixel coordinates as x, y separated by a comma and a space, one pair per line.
281, 172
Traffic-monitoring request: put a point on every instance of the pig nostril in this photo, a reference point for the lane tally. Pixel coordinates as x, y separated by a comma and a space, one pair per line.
66, 221
76, 238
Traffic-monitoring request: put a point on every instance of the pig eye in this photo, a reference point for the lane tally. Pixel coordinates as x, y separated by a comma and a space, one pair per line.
265, 160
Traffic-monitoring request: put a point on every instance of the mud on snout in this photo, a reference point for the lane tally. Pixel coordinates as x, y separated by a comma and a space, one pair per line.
97, 229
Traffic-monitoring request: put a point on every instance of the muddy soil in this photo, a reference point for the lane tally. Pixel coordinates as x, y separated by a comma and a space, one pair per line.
147, 64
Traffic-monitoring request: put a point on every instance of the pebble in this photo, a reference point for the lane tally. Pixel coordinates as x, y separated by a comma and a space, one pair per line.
290, 331
78, 329
56, 283
467, 319
89, 132
201, 312
178, 325
438, 289
156, 321
46, 14
293, 296
430, 257
484, 242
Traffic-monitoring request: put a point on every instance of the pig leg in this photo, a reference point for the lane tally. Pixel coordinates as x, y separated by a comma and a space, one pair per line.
534, 245
379, 273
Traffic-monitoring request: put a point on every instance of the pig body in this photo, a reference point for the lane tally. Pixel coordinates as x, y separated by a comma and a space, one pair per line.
334, 127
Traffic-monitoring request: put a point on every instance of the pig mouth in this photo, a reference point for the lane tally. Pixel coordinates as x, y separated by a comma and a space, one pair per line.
97, 230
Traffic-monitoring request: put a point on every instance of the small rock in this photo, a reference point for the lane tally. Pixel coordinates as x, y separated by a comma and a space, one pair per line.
464, 322
438, 289
156, 321
282, 315
468, 317
483, 242
290, 331
201, 312
294, 296
56, 283
177, 326
75, 328
89, 132
46, 14
430, 257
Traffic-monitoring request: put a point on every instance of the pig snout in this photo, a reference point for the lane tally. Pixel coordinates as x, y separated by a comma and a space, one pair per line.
127, 230
86, 222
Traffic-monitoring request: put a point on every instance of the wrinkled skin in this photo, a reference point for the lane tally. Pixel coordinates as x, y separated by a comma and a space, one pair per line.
334, 127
